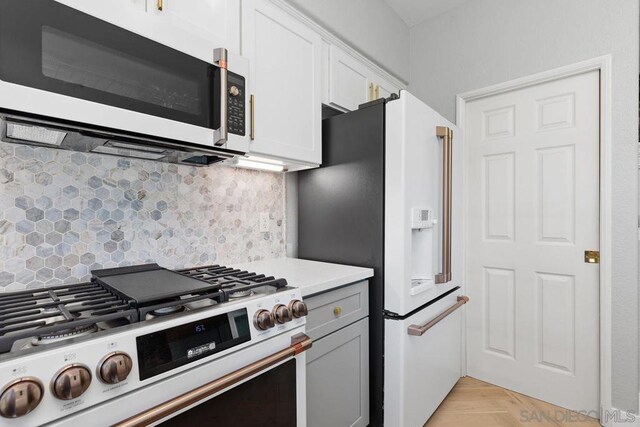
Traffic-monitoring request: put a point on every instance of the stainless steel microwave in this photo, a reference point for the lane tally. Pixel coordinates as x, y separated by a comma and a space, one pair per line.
73, 81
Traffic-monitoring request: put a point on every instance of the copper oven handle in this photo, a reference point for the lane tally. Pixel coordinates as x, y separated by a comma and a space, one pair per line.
220, 59
299, 344
447, 163
418, 330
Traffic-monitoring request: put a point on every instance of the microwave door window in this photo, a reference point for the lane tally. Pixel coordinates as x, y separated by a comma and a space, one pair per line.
78, 61
49, 46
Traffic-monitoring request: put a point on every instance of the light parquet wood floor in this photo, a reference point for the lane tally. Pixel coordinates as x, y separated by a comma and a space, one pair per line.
474, 403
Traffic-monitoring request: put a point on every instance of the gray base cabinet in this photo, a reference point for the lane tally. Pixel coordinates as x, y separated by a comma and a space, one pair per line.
338, 361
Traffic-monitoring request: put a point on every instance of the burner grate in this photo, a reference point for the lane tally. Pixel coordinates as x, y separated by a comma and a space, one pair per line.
52, 310
229, 278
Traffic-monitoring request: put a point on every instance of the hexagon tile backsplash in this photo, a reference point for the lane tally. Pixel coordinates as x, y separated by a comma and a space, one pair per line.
63, 214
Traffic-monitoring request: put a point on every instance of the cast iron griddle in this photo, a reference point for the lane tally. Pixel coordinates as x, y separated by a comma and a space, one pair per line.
150, 283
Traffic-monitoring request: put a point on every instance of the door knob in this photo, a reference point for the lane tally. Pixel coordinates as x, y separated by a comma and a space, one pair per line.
592, 257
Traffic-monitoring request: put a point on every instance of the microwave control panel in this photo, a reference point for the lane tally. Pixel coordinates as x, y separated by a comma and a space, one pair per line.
236, 104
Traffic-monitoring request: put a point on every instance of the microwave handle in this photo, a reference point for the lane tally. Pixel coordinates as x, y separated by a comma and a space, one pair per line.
220, 59
299, 343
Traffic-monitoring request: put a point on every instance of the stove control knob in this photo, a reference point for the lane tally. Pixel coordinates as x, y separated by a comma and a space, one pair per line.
115, 368
298, 308
20, 397
264, 320
234, 91
71, 382
282, 314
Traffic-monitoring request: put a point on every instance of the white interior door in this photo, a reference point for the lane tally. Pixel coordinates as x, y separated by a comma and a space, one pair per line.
533, 210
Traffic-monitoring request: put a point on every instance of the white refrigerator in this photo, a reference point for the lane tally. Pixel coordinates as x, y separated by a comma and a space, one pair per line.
389, 196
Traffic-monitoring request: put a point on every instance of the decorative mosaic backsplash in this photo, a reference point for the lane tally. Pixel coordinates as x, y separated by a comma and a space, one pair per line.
63, 214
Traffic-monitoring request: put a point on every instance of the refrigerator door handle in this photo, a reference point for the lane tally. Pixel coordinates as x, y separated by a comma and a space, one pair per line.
418, 330
447, 162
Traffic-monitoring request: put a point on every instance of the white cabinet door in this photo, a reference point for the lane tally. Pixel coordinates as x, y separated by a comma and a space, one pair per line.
349, 80
200, 26
338, 378
285, 57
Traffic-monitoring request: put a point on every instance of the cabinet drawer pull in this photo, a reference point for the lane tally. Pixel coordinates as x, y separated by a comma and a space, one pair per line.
337, 311
159, 4
418, 330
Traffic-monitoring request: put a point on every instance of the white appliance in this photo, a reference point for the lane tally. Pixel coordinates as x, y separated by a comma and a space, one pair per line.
423, 264
70, 80
388, 197
120, 351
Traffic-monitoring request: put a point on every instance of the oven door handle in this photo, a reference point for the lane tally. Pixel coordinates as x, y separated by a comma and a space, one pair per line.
299, 344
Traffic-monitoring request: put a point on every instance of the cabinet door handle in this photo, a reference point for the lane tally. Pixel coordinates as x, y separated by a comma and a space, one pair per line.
159, 4
252, 107
370, 91
377, 91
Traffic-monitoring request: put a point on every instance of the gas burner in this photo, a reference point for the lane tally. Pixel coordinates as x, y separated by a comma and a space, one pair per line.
38, 317
112, 324
203, 303
64, 334
165, 311
241, 294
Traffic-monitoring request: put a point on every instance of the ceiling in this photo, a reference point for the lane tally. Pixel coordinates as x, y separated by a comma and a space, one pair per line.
414, 12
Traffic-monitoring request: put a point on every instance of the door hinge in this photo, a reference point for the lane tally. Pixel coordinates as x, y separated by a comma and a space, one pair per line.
592, 257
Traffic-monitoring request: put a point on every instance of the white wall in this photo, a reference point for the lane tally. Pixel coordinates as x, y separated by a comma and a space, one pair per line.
369, 26
484, 42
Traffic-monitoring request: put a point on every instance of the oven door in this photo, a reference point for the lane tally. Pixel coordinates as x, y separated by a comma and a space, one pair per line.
269, 390
58, 62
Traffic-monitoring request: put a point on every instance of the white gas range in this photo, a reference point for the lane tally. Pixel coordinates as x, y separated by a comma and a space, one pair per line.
148, 346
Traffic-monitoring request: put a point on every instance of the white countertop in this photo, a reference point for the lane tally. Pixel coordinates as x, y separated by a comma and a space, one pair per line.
311, 277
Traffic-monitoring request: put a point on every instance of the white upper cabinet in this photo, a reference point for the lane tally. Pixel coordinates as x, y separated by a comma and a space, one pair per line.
285, 60
349, 80
198, 25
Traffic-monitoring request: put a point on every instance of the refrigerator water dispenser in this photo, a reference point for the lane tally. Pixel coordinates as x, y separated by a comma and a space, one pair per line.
422, 252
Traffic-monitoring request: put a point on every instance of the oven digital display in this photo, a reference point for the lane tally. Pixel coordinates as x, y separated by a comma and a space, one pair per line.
168, 349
